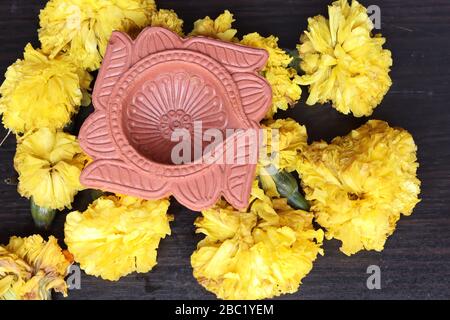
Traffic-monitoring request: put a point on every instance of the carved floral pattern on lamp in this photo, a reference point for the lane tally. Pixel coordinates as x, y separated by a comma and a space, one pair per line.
149, 88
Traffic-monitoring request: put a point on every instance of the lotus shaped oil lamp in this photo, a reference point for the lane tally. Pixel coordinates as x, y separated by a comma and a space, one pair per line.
159, 84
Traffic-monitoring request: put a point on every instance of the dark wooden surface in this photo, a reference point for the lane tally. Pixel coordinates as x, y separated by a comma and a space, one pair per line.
416, 261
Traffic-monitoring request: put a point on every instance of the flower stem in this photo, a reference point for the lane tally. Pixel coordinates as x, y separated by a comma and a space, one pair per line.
43, 217
95, 194
6, 137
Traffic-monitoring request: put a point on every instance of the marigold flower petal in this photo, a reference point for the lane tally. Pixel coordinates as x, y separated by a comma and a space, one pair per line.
49, 165
360, 184
260, 253
220, 28
284, 139
117, 235
82, 27
42, 92
284, 80
31, 267
343, 62
167, 19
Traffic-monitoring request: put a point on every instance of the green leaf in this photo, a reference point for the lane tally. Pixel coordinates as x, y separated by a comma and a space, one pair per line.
287, 187
295, 63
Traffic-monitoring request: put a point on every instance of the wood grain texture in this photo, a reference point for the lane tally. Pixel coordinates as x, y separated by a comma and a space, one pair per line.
416, 261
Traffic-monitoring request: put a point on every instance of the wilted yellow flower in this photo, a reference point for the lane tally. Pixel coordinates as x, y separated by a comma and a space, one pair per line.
284, 80
31, 267
359, 184
117, 235
343, 62
167, 19
82, 27
284, 139
49, 164
220, 28
261, 253
41, 92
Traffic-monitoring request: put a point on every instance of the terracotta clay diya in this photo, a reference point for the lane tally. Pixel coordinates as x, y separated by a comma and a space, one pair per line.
150, 87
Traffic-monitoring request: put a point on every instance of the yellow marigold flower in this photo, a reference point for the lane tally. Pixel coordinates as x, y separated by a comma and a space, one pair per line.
359, 184
285, 81
167, 19
117, 235
41, 92
284, 139
343, 62
261, 253
286, 91
49, 164
82, 27
220, 28
277, 56
31, 267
